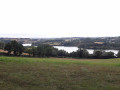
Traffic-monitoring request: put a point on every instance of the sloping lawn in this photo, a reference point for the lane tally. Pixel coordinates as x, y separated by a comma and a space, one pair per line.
18, 73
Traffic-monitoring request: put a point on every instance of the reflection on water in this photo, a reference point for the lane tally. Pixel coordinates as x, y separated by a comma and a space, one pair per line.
71, 49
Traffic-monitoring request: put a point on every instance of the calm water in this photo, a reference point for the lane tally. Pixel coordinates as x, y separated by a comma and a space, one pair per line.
71, 49
27, 44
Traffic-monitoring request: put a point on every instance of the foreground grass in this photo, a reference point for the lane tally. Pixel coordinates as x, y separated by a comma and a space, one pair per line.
17, 73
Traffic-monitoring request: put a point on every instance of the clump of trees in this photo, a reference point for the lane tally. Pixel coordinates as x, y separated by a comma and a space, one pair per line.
103, 54
83, 53
14, 47
44, 50
62, 53
41, 51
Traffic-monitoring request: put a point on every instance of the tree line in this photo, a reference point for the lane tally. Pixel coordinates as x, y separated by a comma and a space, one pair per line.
49, 51
44, 50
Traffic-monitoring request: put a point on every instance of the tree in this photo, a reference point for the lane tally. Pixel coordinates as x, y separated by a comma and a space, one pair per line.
41, 50
107, 55
8, 47
29, 51
62, 53
110, 55
82, 53
20, 48
34, 51
45, 50
2, 44
118, 55
14, 46
73, 54
98, 53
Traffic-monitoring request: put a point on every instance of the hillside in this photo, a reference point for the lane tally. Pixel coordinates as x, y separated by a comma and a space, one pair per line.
89, 43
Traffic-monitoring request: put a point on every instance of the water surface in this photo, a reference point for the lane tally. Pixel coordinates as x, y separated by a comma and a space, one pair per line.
71, 49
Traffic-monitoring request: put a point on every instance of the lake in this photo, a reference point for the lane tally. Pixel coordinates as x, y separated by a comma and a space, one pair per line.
27, 45
71, 49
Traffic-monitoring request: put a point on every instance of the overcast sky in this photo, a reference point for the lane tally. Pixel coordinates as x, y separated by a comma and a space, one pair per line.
59, 18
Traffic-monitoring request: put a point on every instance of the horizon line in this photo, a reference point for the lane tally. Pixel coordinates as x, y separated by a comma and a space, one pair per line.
64, 37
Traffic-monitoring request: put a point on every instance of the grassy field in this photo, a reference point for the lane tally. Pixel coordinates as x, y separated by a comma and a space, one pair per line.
18, 73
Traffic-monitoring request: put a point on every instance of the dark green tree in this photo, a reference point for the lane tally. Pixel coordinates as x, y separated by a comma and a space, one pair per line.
110, 55
45, 50
14, 46
41, 51
98, 53
62, 53
34, 51
8, 47
82, 53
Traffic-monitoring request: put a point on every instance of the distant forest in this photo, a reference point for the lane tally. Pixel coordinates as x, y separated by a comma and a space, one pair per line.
86, 43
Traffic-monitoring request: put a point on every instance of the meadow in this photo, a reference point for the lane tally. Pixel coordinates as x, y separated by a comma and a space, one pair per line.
20, 73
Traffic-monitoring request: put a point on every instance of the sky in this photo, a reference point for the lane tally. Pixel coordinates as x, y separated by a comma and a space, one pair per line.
59, 18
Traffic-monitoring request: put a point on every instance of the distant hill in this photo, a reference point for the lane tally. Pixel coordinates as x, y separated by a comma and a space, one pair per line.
82, 42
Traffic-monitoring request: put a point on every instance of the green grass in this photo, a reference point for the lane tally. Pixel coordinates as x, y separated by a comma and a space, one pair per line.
19, 73
103, 62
